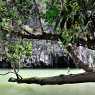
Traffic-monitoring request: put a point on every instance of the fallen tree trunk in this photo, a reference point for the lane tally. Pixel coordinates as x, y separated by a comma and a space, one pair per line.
61, 79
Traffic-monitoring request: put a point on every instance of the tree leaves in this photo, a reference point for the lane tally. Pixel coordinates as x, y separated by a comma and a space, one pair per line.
51, 14
17, 49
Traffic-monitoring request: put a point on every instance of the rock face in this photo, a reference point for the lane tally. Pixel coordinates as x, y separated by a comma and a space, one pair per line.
87, 56
46, 52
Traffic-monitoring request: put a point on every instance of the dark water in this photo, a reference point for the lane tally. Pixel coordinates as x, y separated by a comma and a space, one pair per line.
33, 89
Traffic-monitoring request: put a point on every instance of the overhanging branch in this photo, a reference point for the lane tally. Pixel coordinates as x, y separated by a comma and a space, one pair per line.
44, 36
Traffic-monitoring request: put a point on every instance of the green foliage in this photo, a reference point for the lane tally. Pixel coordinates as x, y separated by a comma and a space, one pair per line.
52, 11
69, 36
17, 49
24, 8
73, 17
17, 12
51, 14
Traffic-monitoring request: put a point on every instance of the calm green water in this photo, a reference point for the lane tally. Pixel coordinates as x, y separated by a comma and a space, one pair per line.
33, 89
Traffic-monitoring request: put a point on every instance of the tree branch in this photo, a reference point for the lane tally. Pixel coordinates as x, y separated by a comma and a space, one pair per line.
44, 36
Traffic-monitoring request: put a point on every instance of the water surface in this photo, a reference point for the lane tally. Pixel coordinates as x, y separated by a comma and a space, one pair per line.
7, 88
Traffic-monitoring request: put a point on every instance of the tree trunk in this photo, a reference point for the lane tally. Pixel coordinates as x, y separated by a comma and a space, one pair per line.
61, 79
